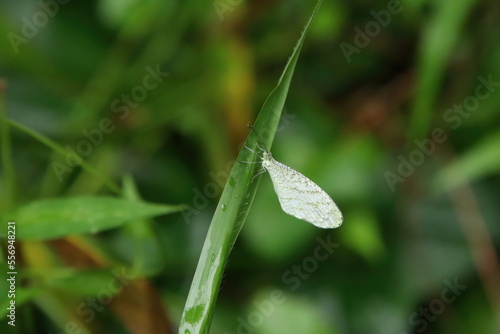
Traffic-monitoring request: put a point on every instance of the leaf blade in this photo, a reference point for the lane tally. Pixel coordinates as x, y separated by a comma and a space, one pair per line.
56, 218
233, 207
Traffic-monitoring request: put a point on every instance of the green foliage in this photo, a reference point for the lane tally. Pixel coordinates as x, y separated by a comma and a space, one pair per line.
56, 218
438, 42
480, 161
233, 207
83, 106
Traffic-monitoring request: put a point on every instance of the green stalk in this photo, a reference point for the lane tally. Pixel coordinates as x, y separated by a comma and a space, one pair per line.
59, 149
233, 207
438, 42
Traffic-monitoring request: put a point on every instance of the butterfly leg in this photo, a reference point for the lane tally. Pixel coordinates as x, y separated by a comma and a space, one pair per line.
248, 148
262, 149
260, 172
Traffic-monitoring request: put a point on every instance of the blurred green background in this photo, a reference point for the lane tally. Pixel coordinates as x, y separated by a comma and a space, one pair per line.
393, 110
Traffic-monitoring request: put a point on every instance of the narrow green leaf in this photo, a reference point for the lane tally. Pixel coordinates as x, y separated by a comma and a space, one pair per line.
86, 282
145, 246
233, 207
56, 218
9, 172
436, 49
62, 151
481, 160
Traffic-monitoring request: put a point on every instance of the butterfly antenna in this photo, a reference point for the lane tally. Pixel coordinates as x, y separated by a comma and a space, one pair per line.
250, 125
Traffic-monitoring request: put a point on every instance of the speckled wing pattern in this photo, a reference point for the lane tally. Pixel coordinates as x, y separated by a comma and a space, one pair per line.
301, 197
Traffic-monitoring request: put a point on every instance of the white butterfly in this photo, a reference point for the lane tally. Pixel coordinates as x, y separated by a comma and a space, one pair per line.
299, 196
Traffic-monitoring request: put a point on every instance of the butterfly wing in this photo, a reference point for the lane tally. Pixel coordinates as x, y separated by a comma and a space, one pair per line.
302, 198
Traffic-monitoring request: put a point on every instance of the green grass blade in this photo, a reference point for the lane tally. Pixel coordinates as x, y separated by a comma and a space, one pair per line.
9, 174
56, 218
233, 208
436, 47
59, 149
480, 161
